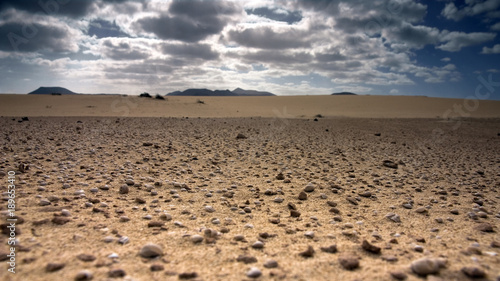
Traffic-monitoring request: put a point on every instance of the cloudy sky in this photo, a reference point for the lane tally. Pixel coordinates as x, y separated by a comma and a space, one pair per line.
395, 47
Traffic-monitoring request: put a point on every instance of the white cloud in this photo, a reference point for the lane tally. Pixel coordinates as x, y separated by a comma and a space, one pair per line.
455, 40
494, 50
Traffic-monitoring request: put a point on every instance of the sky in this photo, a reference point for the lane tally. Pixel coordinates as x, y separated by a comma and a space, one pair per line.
435, 48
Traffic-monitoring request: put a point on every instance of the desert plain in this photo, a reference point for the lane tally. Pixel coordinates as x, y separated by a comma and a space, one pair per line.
251, 188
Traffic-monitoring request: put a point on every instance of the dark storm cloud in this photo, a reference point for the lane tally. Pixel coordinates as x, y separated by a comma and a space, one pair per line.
333, 56
266, 38
123, 51
191, 21
415, 36
34, 37
277, 15
50, 7
192, 51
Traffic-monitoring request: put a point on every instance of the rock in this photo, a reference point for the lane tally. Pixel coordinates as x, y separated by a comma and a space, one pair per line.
151, 251
258, 245
246, 259
254, 272
421, 210
129, 182
86, 257
188, 275
309, 187
309, 234
366, 194
241, 136
399, 275
155, 224
349, 262
84, 275
117, 273
426, 266
278, 200
156, 267
352, 200
473, 272
196, 238
51, 267
495, 244
291, 206
44, 202
239, 237
294, 213
393, 217
484, 227
124, 189
59, 220
166, 217
280, 176
271, 264
308, 253
139, 200
209, 209
302, 195
370, 248
407, 206
124, 219
123, 240
390, 164
332, 249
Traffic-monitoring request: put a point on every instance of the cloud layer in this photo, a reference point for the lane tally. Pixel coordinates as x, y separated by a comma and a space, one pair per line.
287, 47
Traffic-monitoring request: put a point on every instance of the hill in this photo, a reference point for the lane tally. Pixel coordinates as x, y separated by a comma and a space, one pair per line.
219, 93
344, 94
51, 90
242, 92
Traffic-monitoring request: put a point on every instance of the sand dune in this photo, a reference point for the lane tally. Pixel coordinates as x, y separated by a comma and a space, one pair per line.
279, 106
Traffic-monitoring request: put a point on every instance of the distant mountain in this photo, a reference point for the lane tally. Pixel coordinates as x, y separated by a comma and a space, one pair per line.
241, 92
219, 93
344, 94
52, 90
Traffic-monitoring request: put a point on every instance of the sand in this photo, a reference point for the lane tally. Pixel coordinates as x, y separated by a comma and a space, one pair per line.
440, 176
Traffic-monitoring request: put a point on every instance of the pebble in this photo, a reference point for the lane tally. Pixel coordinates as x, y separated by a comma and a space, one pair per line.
166, 217
421, 210
124, 189
426, 266
332, 249
157, 267
188, 275
473, 272
370, 248
258, 245
309, 187
309, 234
278, 200
294, 213
399, 275
86, 257
209, 209
484, 227
349, 262
302, 195
151, 251
124, 219
308, 253
196, 238
271, 264
117, 273
51, 267
123, 240
84, 275
246, 259
254, 272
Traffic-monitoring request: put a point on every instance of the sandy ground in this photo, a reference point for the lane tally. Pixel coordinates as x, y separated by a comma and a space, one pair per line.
166, 180
274, 107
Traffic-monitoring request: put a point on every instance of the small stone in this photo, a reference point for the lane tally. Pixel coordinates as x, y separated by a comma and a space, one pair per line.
484, 227
156, 267
139, 200
155, 224
86, 257
117, 273
308, 253
349, 262
84, 275
473, 272
332, 249
51, 267
129, 182
366, 194
352, 200
370, 248
399, 275
124, 219
302, 195
280, 176
278, 200
309, 187
309, 234
426, 266
209, 209
495, 244
271, 264
246, 259
123, 189
455, 212
421, 210
123, 240
188, 275
239, 237
407, 206
254, 272
151, 251
44, 202
59, 220
196, 238
390, 164
166, 217
294, 213
258, 245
